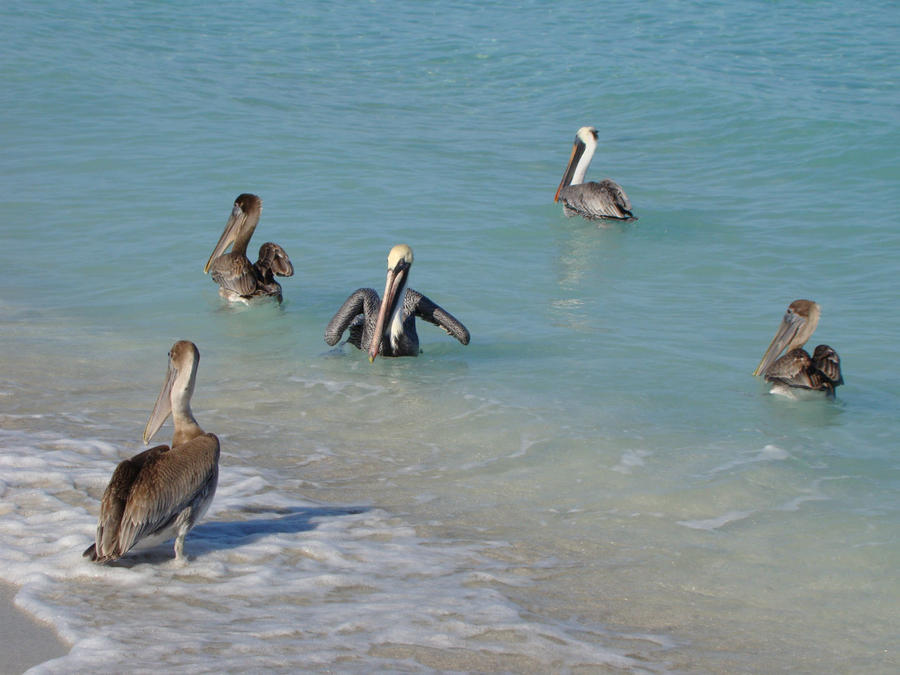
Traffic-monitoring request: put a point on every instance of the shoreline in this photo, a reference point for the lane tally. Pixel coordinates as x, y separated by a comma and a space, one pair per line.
28, 642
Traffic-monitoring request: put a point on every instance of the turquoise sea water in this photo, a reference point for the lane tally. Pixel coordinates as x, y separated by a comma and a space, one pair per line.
596, 483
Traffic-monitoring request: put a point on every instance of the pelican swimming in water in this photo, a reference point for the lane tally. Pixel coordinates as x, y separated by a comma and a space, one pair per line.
162, 492
605, 200
388, 326
796, 369
238, 279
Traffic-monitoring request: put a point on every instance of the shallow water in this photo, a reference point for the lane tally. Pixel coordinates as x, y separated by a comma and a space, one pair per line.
596, 482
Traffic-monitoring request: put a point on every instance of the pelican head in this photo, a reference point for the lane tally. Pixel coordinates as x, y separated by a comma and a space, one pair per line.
176, 392
239, 228
797, 325
400, 259
582, 153
587, 135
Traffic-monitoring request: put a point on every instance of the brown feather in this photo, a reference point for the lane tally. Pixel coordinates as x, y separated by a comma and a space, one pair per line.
827, 362
166, 486
115, 498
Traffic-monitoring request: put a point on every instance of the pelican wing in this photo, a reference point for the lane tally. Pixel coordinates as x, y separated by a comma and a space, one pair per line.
605, 199
273, 259
167, 484
433, 313
361, 307
796, 369
114, 501
233, 272
791, 369
827, 362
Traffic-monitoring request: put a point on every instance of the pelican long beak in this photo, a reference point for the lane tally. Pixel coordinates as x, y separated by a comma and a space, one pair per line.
232, 227
163, 406
396, 278
577, 151
787, 331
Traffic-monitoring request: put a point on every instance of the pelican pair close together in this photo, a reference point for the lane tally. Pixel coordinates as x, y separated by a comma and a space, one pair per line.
240, 280
162, 492
388, 326
796, 369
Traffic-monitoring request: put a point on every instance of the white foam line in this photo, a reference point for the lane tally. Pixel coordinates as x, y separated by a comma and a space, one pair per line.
274, 581
717, 522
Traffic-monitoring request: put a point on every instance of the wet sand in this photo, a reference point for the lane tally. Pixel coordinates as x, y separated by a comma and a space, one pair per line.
25, 641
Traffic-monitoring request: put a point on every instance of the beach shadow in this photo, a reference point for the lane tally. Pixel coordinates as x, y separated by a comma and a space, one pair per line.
220, 535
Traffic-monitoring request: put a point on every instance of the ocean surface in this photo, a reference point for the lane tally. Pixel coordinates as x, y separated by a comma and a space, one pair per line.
596, 483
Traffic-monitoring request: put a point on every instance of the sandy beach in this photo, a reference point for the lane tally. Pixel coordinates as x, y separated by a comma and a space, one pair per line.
26, 642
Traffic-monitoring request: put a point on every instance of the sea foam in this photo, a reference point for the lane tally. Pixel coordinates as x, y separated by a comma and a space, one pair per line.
273, 580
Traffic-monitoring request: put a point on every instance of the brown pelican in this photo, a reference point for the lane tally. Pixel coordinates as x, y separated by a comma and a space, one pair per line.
604, 200
162, 492
797, 369
238, 279
388, 326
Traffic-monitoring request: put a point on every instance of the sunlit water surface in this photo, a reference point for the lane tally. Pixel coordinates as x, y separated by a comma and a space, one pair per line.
596, 483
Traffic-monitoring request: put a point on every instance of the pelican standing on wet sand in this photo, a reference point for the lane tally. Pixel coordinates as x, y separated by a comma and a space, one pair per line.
605, 200
388, 326
162, 492
797, 369
238, 279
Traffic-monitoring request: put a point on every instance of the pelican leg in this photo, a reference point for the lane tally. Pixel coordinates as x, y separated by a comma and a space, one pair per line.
179, 546
185, 523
